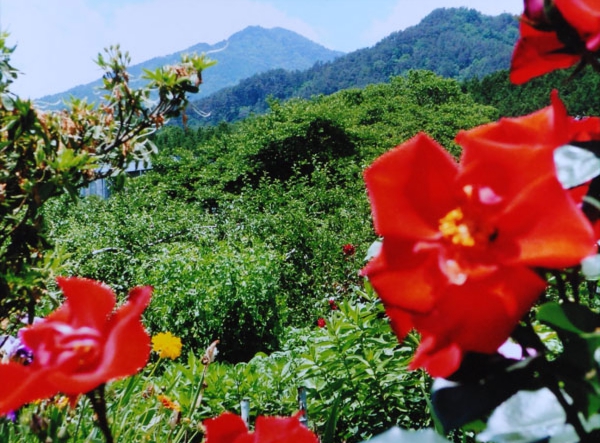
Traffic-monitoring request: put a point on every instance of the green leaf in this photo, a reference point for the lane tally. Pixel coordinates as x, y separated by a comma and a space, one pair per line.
482, 383
568, 317
330, 425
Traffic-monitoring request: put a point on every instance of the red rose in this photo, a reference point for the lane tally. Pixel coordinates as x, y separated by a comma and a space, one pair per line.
584, 17
321, 323
460, 241
230, 428
555, 37
80, 346
537, 53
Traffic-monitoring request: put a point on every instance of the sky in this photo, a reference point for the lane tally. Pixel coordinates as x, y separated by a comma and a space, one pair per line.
57, 41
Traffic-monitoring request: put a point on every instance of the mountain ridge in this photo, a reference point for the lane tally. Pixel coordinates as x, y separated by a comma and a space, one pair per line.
238, 57
458, 43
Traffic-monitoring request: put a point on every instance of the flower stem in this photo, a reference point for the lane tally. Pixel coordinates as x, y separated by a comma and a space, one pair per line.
574, 281
572, 416
98, 401
78, 423
197, 401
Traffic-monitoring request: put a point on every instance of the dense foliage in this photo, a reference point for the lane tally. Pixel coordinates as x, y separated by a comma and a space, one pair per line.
512, 100
49, 154
455, 43
241, 228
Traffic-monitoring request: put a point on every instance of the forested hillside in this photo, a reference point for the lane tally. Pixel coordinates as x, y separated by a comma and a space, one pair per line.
513, 100
241, 228
457, 43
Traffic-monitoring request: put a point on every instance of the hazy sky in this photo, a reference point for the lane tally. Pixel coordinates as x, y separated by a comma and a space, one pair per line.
58, 40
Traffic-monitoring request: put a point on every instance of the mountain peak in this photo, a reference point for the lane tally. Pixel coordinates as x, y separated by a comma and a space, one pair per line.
251, 51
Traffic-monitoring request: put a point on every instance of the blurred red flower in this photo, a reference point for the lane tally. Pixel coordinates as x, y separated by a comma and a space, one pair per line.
230, 428
80, 346
555, 37
349, 249
333, 305
584, 17
321, 322
461, 242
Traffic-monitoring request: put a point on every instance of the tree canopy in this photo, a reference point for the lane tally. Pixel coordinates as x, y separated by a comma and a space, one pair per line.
240, 228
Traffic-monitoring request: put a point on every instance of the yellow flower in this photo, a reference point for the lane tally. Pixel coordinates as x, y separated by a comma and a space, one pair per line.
166, 345
61, 402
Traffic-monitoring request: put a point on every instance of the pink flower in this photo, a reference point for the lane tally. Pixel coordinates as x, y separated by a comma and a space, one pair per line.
534, 11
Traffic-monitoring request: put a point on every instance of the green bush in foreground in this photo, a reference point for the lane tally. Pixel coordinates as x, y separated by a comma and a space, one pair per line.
353, 369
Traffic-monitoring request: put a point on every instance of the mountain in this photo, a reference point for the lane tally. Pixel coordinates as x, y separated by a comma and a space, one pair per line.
457, 43
244, 54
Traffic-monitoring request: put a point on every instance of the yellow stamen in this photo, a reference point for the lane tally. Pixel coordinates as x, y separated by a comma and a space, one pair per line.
452, 228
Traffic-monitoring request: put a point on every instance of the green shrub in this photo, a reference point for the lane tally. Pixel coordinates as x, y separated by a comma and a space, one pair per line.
356, 374
220, 291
